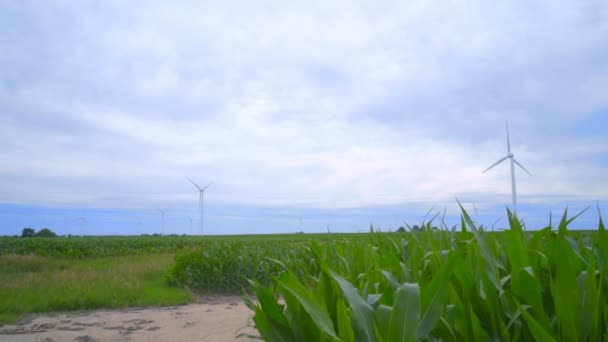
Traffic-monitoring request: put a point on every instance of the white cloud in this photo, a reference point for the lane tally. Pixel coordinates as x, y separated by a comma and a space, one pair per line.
326, 105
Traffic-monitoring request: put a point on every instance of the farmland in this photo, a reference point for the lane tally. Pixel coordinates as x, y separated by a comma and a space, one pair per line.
102, 246
449, 285
445, 286
77, 273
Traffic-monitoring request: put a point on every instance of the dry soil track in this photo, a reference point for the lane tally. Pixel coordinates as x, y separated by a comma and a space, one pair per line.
217, 319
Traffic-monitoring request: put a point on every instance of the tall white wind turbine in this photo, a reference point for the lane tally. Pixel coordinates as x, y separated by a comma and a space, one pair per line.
201, 200
510, 156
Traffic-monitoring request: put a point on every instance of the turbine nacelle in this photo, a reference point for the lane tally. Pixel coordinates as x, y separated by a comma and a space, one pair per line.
198, 187
200, 200
514, 162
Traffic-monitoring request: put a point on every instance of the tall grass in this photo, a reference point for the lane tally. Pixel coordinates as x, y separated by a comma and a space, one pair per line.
467, 285
34, 284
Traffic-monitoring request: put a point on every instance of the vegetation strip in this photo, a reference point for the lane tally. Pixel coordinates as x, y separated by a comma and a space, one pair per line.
466, 285
429, 284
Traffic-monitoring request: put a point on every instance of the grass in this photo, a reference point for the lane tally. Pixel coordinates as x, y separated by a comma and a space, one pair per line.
40, 275
36, 284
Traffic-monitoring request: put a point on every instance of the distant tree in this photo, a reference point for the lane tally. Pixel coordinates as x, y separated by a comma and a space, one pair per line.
415, 228
401, 229
45, 232
28, 232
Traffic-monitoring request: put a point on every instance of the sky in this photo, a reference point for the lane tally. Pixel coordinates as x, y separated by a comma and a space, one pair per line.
306, 116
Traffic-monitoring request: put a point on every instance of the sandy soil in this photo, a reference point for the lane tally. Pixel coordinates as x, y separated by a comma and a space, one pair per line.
216, 319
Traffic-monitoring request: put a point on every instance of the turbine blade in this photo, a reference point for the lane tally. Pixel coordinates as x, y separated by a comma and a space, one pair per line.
498, 162
522, 167
208, 185
508, 139
196, 185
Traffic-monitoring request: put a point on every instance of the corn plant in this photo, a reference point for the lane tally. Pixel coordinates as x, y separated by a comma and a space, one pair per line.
225, 266
466, 285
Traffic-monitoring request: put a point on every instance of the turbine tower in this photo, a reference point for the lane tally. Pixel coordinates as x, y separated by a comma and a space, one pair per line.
201, 200
510, 156
162, 220
83, 223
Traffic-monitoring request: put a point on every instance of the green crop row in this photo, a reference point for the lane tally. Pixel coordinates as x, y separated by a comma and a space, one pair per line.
466, 285
81, 247
102, 246
226, 266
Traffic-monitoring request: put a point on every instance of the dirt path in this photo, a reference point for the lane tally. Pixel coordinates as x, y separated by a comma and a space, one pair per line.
216, 319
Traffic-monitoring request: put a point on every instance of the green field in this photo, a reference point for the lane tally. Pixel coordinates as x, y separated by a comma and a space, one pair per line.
77, 273
433, 285
31, 284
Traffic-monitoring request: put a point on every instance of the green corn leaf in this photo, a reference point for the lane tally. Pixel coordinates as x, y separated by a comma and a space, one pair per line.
345, 329
514, 245
589, 320
602, 241
268, 303
288, 282
514, 223
301, 323
383, 317
362, 312
391, 279
263, 325
406, 314
373, 299
434, 298
565, 221
565, 287
527, 287
491, 263
539, 333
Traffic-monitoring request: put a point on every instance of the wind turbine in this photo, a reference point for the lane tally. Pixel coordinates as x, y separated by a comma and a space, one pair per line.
510, 156
162, 220
201, 200
83, 223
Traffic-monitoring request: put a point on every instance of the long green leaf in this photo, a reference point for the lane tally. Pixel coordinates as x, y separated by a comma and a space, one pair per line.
363, 313
318, 314
383, 318
539, 333
406, 314
345, 329
565, 287
434, 298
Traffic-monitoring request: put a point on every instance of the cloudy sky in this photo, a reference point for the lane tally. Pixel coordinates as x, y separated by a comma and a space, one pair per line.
304, 115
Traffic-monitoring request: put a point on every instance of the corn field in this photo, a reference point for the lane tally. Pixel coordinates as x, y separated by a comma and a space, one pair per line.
466, 285
463, 284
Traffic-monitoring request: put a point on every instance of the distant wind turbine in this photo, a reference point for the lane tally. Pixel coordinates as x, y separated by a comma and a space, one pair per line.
201, 200
510, 156
83, 223
162, 220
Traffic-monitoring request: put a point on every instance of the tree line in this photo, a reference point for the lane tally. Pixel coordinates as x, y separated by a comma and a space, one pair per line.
31, 232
